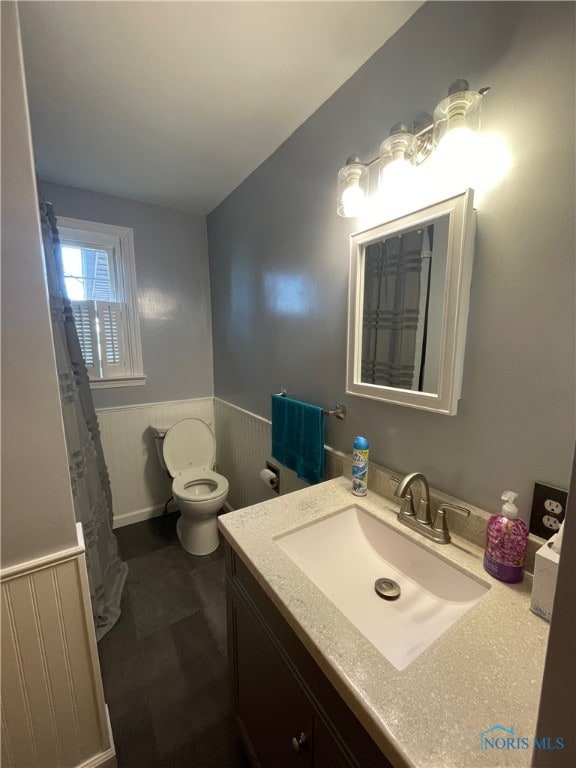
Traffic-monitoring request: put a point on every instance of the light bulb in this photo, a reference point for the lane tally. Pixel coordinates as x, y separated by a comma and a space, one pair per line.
353, 199
457, 143
395, 175
352, 187
454, 161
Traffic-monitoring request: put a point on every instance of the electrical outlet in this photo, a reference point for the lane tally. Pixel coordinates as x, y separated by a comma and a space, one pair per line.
548, 509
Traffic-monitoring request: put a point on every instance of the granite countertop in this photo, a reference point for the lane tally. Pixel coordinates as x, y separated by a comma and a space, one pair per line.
485, 670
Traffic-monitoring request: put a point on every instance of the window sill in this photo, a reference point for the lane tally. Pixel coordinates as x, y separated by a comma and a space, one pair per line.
120, 381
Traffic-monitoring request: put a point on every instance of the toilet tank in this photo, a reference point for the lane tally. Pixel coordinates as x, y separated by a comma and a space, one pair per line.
159, 434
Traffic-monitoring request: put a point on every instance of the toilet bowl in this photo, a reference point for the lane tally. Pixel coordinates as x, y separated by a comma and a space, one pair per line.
188, 451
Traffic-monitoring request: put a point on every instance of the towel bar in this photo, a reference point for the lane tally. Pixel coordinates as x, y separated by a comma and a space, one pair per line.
339, 411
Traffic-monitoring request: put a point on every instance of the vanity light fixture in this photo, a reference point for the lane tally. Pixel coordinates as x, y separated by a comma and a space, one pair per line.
456, 119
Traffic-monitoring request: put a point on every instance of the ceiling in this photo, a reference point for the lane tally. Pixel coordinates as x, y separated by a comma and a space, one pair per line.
176, 103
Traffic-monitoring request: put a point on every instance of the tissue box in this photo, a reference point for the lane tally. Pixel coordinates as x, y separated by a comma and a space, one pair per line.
544, 584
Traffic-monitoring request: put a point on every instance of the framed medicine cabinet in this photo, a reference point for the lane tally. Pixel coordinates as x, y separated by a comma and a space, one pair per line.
408, 306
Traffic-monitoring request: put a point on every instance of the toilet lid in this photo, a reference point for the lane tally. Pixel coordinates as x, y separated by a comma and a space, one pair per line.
189, 443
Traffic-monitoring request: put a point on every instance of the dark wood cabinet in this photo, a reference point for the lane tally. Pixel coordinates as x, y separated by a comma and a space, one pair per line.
289, 714
326, 752
270, 704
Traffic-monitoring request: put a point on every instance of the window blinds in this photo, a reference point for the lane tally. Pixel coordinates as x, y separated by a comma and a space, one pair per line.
101, 327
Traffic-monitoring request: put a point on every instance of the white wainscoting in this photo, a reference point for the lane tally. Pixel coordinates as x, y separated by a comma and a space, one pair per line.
140, 488
243, 442
53, 709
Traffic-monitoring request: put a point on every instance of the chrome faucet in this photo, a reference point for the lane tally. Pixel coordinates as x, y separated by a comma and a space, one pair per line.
421, 520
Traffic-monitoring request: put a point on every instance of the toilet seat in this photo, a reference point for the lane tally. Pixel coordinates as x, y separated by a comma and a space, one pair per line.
189, 444
184, 485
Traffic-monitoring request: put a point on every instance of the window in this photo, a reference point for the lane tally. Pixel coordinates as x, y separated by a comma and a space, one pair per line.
100, 280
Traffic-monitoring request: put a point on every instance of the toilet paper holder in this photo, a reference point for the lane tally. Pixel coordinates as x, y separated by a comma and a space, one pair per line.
271, 477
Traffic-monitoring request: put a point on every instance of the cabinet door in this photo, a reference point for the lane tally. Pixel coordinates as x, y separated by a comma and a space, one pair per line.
272, 709
327, 754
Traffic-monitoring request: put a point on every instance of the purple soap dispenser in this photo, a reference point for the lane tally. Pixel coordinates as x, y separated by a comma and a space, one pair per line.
506, 542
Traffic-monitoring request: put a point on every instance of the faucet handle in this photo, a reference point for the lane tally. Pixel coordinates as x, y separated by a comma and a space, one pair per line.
408, 505
440, 523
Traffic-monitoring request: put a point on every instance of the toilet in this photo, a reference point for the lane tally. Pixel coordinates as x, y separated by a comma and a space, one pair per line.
187, 450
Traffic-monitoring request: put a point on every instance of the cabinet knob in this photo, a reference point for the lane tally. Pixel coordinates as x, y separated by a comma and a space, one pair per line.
298, 742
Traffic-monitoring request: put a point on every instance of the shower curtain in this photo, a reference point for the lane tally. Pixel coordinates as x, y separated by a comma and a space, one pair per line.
391, 310
88, 472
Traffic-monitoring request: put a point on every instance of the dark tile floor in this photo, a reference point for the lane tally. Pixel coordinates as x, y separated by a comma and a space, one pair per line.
164, 664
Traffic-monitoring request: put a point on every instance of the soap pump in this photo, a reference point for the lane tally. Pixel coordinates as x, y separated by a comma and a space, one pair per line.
506, 542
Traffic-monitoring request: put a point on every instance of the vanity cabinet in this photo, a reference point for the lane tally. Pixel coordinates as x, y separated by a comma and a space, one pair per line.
289, 714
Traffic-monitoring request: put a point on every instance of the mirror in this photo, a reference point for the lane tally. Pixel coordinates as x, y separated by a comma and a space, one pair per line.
408, 306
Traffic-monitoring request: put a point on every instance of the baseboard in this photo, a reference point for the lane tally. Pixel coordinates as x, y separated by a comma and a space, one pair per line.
147, 514
138, 515
102, 760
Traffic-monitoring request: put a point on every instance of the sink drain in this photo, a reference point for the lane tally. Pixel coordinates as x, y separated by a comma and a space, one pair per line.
387, 589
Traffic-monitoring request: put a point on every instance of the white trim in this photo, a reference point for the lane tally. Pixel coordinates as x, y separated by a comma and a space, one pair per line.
334, 452
243, 410
207, 399
105, 759
460, 254
149, 513
138, 515
102, 760
80, 536
83, 225
124, 237
118, 381
45, 561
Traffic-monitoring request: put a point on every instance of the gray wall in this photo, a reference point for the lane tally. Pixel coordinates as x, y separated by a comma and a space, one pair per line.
37, 507
279, 232
173, 293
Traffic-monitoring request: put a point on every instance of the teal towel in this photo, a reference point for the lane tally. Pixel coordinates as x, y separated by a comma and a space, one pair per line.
298, 437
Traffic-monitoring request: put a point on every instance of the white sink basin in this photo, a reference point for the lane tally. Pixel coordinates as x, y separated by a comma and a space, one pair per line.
344, 554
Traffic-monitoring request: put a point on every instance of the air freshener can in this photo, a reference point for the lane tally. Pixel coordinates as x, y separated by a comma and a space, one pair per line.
360, 466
